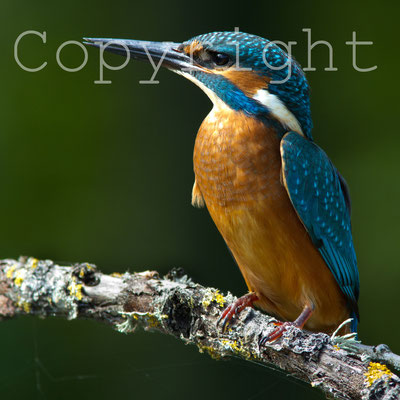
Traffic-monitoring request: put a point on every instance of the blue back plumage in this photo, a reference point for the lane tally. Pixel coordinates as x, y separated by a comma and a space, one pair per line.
316, 192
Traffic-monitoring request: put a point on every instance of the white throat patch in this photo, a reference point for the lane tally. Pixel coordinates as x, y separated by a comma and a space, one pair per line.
278, 109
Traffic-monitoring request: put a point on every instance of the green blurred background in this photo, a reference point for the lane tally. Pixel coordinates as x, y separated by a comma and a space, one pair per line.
103, 173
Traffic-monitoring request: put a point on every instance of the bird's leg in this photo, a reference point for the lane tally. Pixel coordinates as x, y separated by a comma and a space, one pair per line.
282, 326
236, 307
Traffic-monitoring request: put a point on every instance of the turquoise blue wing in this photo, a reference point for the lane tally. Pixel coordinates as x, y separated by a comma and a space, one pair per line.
320, 197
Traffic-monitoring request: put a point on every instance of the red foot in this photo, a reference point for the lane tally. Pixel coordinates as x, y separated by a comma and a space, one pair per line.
282, 326
276, 333
235, 308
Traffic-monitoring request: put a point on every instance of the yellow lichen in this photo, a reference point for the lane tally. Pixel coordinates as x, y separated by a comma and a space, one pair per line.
84, 270
75, 290
150, 320
153, 321
19, 277
116, 275
215, 296
26, 306
33, 262
210, 350
376, 371
238, 348
336, 347
232, 344
10, 271
219, 298
191, 302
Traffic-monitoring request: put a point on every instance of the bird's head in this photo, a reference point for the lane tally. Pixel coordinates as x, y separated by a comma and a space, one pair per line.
241, 71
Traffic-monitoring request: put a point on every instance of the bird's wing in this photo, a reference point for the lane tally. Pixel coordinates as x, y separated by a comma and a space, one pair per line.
320, 197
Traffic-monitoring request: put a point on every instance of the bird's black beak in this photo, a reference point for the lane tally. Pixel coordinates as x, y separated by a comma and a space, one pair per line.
168, 53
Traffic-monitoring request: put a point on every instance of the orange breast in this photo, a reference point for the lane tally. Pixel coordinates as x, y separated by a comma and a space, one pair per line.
237, 167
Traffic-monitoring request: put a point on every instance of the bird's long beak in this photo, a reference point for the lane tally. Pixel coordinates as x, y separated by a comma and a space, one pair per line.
168, 53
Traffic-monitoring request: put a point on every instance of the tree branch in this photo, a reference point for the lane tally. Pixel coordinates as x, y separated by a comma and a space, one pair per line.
176, 306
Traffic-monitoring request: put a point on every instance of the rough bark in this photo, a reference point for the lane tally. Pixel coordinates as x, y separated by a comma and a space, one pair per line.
177, 306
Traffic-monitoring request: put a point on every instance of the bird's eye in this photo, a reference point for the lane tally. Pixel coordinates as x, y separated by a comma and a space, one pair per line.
220, 59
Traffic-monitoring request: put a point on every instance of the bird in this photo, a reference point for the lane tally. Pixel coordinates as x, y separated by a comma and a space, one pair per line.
278, 201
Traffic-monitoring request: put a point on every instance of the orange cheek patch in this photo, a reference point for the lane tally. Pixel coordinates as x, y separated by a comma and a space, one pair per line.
193, 48
247, 81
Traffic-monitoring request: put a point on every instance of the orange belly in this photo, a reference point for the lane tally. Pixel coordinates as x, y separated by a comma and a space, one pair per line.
237, 167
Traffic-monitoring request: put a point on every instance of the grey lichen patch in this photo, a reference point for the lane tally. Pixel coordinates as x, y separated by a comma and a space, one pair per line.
346, 343
309, 346
50, 288
20, 274
129, 325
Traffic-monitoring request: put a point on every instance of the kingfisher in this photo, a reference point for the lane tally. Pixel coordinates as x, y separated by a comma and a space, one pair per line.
278, 201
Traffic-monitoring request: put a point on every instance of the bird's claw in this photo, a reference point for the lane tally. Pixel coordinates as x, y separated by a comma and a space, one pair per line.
276, 333
235, 308
226, 316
